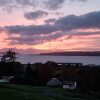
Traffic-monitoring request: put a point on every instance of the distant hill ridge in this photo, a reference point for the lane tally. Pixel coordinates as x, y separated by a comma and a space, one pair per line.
74, 53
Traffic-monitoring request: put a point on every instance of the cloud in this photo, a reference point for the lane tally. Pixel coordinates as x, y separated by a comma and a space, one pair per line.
35, 15
54, 4
57, 4
89, 20
67, 25
83, 0
23, 51
50, 21
9, 5
40, 39
17, 2
34, 40
30, 30
5, 2
26, 2
29, 40
1, 29
79, 0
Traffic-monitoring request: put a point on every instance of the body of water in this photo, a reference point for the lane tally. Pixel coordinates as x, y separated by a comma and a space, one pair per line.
64, 59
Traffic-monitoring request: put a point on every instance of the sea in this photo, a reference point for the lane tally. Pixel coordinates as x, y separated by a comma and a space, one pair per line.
85, 60
31, 58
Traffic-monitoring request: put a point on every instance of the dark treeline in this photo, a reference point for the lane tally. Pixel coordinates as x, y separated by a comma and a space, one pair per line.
39, 74
87, 77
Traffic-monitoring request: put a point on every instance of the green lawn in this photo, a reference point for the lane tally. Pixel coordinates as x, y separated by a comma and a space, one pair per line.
22, 92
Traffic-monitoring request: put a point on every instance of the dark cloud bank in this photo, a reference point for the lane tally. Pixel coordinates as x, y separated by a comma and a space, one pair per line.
54, 4
35, 15
9, 5
35, 34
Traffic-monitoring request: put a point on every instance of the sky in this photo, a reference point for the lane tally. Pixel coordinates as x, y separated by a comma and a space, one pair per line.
40, 26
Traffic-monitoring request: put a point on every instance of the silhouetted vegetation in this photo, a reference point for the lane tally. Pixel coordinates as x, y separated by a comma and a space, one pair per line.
8, 56
87, 77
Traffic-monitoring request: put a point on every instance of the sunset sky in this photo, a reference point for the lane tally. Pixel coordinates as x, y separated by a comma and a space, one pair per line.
38, 26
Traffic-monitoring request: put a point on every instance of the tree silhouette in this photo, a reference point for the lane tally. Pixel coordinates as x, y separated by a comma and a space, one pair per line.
29, 72
8, 56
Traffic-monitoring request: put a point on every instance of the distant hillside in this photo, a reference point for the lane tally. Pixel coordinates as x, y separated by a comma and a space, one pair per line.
74, 53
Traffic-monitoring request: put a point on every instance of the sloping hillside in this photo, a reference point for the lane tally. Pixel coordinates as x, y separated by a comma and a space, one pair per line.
19, 92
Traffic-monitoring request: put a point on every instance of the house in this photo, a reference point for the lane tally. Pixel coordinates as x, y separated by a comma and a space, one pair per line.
54, 82
69, 85
6, 79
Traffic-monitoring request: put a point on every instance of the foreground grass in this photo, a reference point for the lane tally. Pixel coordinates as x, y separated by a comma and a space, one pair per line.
20, 92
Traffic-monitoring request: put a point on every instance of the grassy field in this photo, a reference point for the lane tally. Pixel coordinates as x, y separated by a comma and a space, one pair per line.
22, 92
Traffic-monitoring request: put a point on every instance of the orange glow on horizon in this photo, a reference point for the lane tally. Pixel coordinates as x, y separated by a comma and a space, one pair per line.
75, 43
64, 43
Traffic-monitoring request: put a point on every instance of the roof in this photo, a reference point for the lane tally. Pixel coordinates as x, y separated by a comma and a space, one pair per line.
54, 82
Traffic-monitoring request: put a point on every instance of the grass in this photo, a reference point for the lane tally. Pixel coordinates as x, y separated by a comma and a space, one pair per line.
22, 92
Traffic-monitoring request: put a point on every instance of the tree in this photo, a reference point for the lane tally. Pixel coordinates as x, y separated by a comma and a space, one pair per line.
8, 56
46, 72
29, 72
